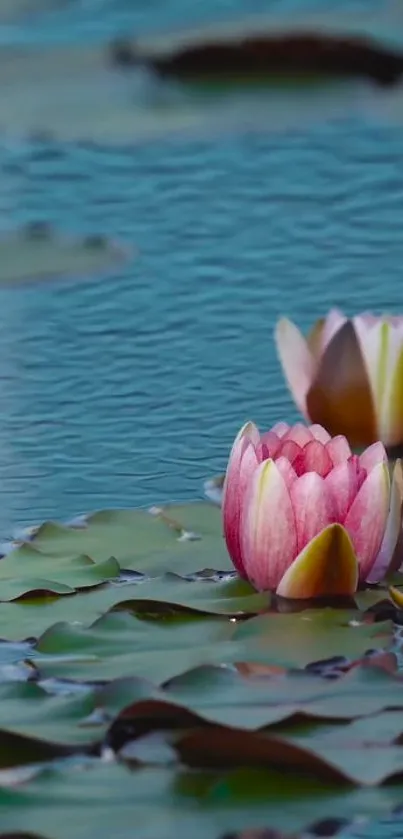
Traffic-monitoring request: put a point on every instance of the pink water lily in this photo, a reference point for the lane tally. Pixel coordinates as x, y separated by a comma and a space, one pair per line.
304, 517
347, 375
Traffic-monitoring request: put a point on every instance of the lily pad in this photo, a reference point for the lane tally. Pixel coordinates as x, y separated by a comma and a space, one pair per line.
39, 252
313, 54
182, 539
120, 644
165, 803
27, 570
21, 619
299, 639
30, 713
222, 696
101, 102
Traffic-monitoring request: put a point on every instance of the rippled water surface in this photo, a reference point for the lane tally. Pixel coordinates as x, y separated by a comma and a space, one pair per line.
128, 389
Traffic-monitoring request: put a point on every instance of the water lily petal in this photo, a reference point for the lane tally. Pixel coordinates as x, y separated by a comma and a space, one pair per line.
299, 433
289, 449
314, 338
320, 433
286, 470
393, 529
242, 455
373, 455
397, 596
296, 359
314, 458
271, 443
338, 449
312, 505
392, 419
367, 517
280, 428
381, 342
326, 567
334, 320
342, 485
268, 534
340, 397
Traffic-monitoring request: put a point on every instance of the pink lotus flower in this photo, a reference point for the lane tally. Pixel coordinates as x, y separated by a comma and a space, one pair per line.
347, 375
306, 518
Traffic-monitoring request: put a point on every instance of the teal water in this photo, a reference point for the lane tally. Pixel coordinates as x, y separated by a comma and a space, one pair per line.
128, 390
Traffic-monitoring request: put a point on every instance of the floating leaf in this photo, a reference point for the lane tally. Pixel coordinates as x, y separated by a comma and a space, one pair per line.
30, 713
105, 101
222, 697
120, 644
299, 639
165, 802
38, 252
164, 596
148, 542
28, 570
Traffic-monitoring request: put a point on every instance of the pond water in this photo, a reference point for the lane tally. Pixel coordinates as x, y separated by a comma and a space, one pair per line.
128, 389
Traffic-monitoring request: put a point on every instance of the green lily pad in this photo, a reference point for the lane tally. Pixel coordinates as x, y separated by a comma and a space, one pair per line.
120, 644
182, 539
171, 594
27, 570
164, 803
163, 596
222, 696
215, 747
299, 639
31, 714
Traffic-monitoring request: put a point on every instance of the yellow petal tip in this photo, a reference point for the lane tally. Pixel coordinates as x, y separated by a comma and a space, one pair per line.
396, 596
327, 567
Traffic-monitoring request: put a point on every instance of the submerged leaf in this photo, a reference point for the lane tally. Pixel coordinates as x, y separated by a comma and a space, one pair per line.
38, 252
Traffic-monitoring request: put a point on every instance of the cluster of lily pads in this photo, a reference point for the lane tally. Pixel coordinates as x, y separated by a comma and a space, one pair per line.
143, 682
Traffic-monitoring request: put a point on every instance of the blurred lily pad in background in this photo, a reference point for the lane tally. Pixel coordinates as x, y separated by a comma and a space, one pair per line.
38, 252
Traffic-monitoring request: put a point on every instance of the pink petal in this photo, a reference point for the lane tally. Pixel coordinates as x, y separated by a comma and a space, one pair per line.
271, 442
372, 456
338, 449
320, 433
299, 433
360, 471
342, 485
290, 450
280, 428
242, 462
312, 506
334, 321
296, 359
392, 531
367, 517
268, 535
314, 458
286, 471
